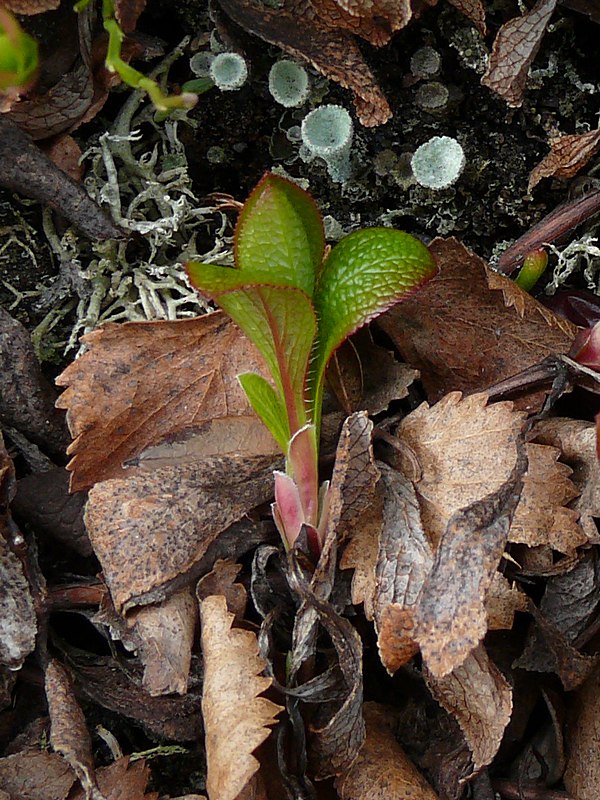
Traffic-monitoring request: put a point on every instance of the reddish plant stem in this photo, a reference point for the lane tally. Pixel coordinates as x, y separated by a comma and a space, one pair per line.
551, 228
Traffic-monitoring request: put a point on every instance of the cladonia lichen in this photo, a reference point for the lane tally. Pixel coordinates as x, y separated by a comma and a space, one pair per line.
143, 182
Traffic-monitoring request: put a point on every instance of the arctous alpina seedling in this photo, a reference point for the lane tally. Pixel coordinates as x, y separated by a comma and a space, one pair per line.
297, 306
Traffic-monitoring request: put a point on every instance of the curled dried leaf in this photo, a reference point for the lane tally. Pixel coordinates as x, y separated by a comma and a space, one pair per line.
236, 719
513, 51
568, 154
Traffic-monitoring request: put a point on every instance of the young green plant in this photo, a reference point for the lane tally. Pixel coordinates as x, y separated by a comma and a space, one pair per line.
297, 304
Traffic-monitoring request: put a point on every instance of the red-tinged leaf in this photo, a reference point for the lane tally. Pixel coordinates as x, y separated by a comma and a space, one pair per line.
514, 49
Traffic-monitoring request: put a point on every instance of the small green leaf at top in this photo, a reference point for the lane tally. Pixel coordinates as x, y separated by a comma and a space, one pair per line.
280, 234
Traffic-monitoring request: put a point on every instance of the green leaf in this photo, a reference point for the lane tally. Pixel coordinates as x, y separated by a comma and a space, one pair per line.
279, 320
366, 273
280, 234
18, 54
267, 405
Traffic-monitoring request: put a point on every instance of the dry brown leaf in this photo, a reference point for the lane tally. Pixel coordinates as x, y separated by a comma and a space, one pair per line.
582, 776
571, 666
296, 28
382, 770
142, 382
166, 635
470, 327
221, 580
568, 154
360, 554
473, 10
18, 624
236, 719
515, 46
576, 440
151, 529
502, 602
36, 775
465, 450
66, 154
480, 699
375, 31
541, 516
122, 780
69, 735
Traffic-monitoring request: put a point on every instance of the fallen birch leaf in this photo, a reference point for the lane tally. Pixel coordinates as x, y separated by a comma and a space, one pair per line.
36, 775
18, 623
155, 526
576, 439
141, 383
470, 327
236, 719
375, 30
127, 13
123, 780
541, 516
465, 450
480, 699
515, 46
30, 7
296, 28
502, 602
166, 635
69, 735
221, 580
450, 617
382, 770
568, 154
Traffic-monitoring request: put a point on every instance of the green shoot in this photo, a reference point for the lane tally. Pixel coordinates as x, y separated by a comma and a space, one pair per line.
18, 55
298, 306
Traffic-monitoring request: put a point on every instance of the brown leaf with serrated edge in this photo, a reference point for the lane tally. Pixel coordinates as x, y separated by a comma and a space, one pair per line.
166, 635
236, 719
297, 29
541, 516
473, 10
18, 624
502, 602
69, 735
36, 775
122, 780
576, 440
515, 46
106, 683
450, 616
141, 383
375, 31
465, 450
382, 770
221, 580
568, 154
470, 327
152, 528
582, 775
480, 699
